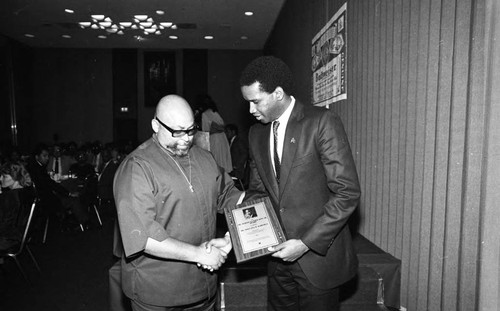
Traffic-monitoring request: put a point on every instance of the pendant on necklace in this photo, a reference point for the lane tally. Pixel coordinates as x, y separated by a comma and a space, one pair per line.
191, 188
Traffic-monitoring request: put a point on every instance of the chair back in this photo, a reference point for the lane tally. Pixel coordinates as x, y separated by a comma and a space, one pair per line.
27, 204
90, 190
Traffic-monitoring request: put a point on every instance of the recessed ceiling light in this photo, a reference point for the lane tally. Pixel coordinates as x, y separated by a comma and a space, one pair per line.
160, 12
166, 24
173, 37
70, 11
66, 36
126, 24
174, 27
29, 35
244, 37
248, 13
208, 37
101, 37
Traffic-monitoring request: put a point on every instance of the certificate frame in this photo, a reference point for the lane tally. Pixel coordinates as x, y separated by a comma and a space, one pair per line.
254, 227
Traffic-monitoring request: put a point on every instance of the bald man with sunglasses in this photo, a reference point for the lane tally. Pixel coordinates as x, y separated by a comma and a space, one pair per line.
167, 194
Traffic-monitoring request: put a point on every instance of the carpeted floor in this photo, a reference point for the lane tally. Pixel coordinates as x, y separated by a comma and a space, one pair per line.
74, 272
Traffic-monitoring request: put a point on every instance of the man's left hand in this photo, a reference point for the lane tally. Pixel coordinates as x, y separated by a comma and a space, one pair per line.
290, 250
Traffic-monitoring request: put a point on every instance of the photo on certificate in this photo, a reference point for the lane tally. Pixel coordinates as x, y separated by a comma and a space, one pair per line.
254, 227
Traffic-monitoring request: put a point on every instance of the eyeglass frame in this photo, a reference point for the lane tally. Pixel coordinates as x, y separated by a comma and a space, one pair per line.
179, 133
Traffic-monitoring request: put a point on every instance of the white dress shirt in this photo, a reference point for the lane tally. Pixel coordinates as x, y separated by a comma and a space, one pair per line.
283, 120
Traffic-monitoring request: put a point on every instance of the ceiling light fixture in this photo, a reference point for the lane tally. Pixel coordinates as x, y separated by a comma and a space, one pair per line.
141, 17
248, 13
84, 24
143, 22
244, 37
173, 37
101, 37
160, 12
70, 11
126, 24
29, 35
66, 36
98, 17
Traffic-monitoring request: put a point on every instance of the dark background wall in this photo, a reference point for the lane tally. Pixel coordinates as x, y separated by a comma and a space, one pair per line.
72, 95
77, 94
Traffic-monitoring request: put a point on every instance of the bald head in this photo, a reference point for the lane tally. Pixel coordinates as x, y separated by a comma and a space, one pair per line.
175, 114
175, 111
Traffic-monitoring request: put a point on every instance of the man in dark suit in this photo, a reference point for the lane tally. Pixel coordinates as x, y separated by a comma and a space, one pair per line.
304, 164
54, 198
239, 153
59, 163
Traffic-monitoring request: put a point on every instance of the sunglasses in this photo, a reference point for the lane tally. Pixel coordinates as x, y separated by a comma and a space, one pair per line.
179, 133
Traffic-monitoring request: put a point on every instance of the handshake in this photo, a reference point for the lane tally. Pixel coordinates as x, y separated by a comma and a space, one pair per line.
215, 253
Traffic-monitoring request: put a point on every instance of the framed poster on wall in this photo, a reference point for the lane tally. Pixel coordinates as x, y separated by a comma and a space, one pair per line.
159, 76
328, 61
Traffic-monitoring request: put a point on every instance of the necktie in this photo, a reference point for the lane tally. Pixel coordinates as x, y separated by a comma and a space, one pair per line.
277, 164
56, 168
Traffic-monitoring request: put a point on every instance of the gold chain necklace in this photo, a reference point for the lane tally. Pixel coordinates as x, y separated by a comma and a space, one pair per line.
182, 171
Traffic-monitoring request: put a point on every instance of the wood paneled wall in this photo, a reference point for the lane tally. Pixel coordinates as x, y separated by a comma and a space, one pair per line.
419, 120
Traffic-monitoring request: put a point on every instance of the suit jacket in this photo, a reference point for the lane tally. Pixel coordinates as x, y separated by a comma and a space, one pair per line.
318, 190
46, 188
66, 162
239, 157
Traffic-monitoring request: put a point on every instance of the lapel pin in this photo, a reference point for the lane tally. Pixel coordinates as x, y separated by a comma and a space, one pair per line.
292, 141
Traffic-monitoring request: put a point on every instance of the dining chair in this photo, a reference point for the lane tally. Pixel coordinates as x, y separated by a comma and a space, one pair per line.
91, 195
14, 245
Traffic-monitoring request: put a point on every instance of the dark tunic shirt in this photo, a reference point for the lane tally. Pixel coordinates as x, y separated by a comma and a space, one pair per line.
154, 200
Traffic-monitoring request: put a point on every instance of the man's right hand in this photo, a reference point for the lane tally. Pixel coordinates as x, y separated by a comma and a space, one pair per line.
212, 260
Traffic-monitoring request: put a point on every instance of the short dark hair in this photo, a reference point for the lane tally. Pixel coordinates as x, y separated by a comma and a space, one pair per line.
39, 148
270, 72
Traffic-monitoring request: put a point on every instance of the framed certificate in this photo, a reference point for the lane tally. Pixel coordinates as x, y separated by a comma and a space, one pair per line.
254, 227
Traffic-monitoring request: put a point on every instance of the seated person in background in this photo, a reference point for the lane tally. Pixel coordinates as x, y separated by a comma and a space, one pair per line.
16, 190
86, 176
81, 168
59, 163
111, 157
54, 198
239, 152
95, 156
